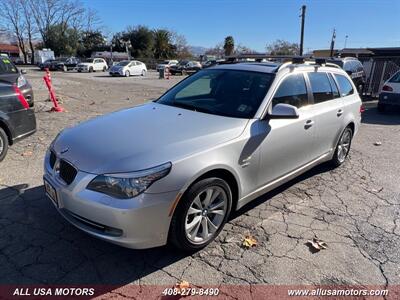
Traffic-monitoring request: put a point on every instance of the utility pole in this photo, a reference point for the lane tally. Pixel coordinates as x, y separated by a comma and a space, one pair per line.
333, 41
345, 41
303, 16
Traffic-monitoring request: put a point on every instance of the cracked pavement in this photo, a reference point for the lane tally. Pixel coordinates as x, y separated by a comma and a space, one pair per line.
355, 209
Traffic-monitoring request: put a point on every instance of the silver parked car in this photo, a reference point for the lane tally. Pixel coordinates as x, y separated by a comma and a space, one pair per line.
173, 170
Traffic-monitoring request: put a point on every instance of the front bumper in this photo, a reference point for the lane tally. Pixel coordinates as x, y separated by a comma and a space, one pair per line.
116, 73
141, 222
389, 99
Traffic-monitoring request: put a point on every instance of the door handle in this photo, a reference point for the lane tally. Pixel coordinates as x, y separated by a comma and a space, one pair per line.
339, 112
308, 124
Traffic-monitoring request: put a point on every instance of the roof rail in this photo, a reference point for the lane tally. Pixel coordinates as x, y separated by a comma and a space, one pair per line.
285, 60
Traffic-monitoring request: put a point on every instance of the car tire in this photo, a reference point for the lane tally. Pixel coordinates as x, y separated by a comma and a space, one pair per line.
127, 74
182, 227
90, 69
144, 73
343, 147
104, 69
3, 144
381, 108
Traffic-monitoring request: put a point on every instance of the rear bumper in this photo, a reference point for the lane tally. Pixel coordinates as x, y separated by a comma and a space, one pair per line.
389, 99
27, 91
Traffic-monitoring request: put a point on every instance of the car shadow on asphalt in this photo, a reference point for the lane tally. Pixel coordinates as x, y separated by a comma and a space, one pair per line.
322, 168
37, 246
389, 117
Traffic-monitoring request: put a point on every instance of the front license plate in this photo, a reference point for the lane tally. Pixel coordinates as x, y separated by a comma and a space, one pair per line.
51, 192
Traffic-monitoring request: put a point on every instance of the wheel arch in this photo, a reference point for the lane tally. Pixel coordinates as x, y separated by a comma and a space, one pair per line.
7, 130
220, 172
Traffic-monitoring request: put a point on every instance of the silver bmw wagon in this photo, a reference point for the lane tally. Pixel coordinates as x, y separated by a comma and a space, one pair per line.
173, 170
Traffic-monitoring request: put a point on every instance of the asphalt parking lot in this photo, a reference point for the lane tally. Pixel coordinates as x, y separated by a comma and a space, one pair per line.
355, 209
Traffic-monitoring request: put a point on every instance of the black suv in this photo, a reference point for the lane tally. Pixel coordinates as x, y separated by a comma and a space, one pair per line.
10, 73
354, 68
17, 119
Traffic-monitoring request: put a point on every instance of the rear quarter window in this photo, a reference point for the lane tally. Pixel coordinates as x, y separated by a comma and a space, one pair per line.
345, 86
6, 66
395, 78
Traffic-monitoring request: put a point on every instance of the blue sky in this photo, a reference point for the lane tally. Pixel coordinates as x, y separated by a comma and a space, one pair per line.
254, 23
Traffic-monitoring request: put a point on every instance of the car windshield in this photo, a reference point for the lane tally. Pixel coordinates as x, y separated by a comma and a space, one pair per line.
6, 66
123, 63
231, 93
89, 60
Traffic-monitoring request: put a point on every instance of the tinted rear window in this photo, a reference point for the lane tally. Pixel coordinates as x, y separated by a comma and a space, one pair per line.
345, 86
6, 66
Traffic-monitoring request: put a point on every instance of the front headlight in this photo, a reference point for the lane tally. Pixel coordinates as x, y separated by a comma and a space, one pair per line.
21, 81
128, 185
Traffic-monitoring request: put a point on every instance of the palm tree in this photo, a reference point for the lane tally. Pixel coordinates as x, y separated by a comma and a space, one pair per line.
163, 47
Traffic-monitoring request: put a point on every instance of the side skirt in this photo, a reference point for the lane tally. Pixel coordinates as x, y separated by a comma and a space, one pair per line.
283, 179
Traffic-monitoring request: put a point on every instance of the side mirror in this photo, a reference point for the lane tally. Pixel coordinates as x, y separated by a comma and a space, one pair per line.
284, 111
23, 71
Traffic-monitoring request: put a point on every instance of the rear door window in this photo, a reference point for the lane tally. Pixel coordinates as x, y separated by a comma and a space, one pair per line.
320, 86
335, 89
292, 91
345, 86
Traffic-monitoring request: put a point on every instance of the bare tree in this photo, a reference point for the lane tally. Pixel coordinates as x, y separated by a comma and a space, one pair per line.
13, 18
31, 29
47, 13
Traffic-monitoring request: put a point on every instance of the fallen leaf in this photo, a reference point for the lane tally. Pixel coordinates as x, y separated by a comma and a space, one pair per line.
249, 242
182, 285
92, 103
377, 190
27, 153
317, 244
378, 143
363, 177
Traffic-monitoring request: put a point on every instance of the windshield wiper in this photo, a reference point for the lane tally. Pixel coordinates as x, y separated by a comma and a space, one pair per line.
192, 107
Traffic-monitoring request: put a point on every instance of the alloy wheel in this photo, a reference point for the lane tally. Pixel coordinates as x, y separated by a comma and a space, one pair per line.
206, 214
344, 145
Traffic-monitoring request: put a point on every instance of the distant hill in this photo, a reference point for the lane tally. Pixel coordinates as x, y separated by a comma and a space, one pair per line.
6, 38
197, 50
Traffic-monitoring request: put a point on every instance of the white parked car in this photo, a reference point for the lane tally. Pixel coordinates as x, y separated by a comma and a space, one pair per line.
92, 65
389, 96
166, 63
128, 68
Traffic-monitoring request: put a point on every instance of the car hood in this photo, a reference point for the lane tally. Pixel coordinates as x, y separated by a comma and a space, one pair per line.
143, 137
